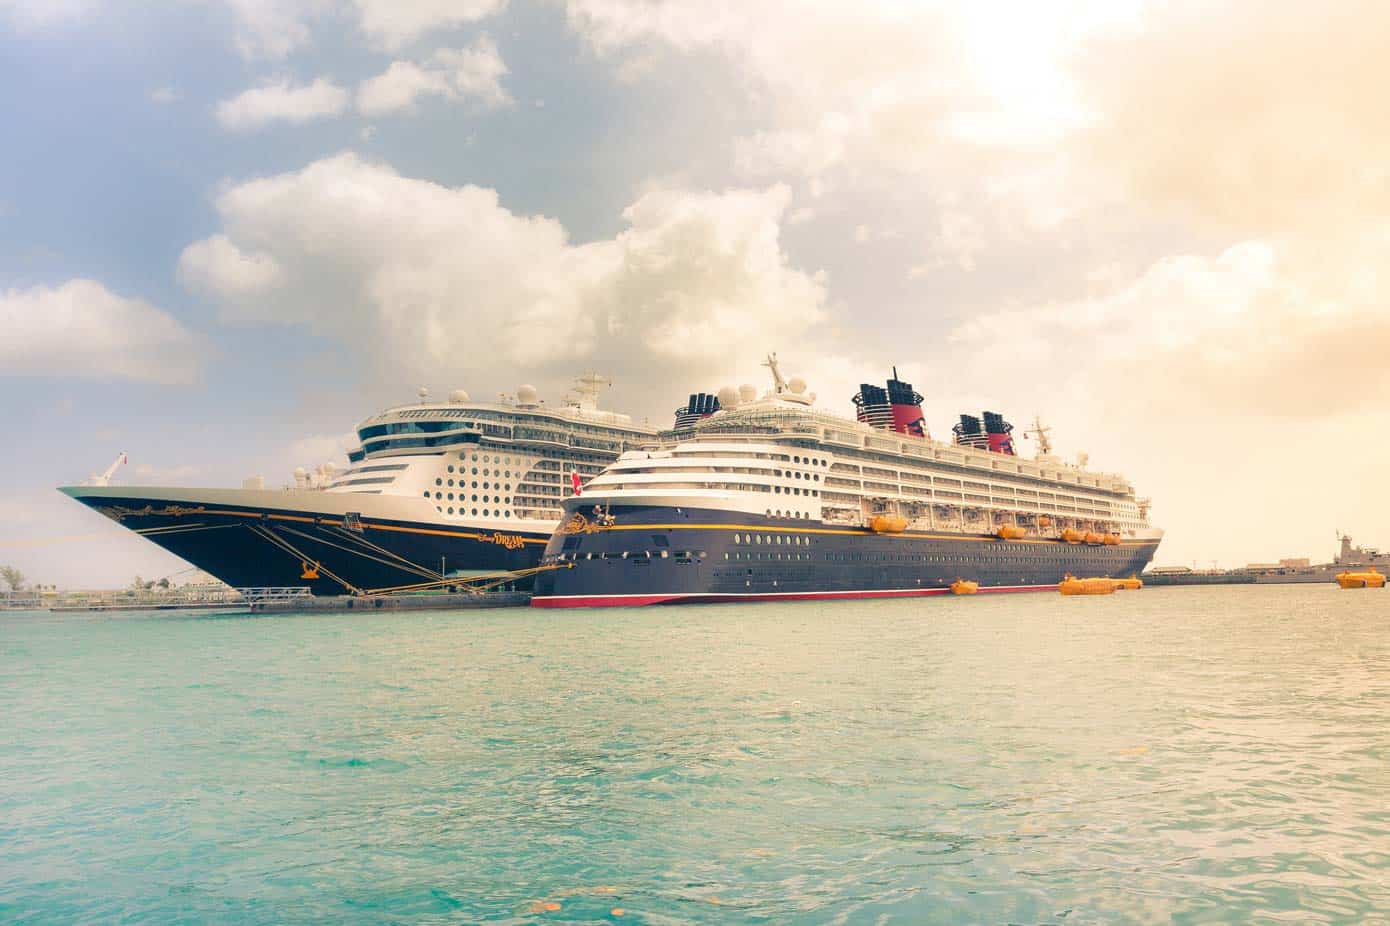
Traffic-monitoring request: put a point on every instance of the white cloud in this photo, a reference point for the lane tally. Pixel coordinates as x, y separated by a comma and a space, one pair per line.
82, 329
217, 264
420, 277
472, 73
395, 23
281, 102
273, 28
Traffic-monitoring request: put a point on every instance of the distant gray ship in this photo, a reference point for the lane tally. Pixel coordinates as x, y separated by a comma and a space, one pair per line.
1286, 571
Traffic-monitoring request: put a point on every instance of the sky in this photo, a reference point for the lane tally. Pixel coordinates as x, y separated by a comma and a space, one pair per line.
231, 229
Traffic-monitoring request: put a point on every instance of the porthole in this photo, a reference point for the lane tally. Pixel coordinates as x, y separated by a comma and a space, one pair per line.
439, 482
451, 467
758, 539
451, 496
451, 511
439, 495
485, 514
451, 482
427, 494
509, 514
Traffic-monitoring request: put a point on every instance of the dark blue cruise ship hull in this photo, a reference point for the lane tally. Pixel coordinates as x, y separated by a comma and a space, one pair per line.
665, 556
329, 554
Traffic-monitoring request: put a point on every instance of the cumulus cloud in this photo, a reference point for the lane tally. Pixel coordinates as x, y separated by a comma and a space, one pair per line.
395, 23
426, 279
217, 264
472, 74
281, 102
84, 330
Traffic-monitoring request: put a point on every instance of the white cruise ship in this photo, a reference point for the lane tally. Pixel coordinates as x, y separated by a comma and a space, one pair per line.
768, 497
435, 490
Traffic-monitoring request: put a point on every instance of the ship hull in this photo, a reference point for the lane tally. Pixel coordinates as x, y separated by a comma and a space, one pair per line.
332, 544
712, 556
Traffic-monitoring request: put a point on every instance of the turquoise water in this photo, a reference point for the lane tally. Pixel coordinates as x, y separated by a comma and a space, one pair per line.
1189, 755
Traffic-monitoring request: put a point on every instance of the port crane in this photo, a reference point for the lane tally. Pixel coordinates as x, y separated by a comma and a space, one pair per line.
104, 478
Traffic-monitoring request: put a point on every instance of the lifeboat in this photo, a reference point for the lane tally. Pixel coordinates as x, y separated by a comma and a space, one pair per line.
964, 587
1092, 538
1133, 583
1044, 521
1368, 579
1010, 532
1071, 585
1110, 540
1071, 536
887, 524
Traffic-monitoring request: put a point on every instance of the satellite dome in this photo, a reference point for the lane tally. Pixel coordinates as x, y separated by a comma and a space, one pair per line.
747, 392
526, 394
458, 397
423, 392
728, 397
797, 385
329, 468
299, 472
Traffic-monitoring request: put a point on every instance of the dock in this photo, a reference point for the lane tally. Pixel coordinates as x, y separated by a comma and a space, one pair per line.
452, 601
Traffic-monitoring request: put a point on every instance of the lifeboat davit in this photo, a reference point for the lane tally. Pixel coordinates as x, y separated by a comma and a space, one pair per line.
1093, 538
887, 524
1010, 532
1368, 579
964, 587
1110, 540
1071, 536
1133, 583
1074, 586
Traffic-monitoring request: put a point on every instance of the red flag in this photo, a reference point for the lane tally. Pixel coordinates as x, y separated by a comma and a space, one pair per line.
574, 481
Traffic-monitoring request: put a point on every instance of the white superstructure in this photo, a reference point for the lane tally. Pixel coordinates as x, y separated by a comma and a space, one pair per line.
507, 464
780, 457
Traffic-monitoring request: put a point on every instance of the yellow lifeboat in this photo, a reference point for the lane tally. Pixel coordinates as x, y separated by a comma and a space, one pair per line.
887, 524
1044, 521
1010, 532
1110, 540
964, 587
1092, 538
1071, 536
1368, 579
1133, 583
1071, 585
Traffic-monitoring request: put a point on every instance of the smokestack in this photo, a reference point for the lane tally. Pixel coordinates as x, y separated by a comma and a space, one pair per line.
907, 407
999, 432
969, 433
700, 405
872, 406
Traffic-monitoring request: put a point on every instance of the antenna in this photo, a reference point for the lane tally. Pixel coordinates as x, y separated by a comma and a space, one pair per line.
1040, 431
779, 383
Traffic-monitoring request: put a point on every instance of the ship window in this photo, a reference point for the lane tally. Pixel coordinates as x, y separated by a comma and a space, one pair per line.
451, 511
427, 494
451, 482
451, 467
475, 510
451, 496
439, 495
474, 484
509, 514
758, 539
439, 482
485, 514
475, 470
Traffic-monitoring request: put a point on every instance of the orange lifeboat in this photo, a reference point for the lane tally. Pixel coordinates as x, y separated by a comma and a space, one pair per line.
1010, 532
1071, 536
1368, 579
1071, 585
1044, 521
1110, 540
887, 524
1133, 583
1092, 538
964, 587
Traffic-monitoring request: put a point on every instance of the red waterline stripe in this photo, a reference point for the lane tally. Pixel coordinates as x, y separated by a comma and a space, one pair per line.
627, 601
